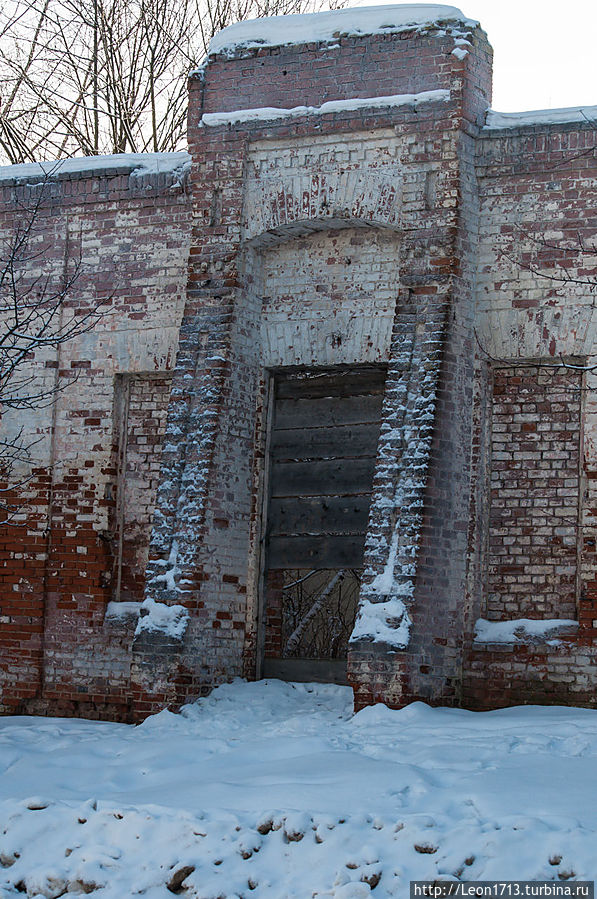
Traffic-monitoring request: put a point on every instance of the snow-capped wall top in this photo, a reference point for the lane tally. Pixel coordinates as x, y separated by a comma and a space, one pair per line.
324, 26
273, 112
139, 164
498, 120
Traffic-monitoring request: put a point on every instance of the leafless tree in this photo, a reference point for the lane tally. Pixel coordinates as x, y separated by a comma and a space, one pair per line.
38, 312
319, 609
107, 76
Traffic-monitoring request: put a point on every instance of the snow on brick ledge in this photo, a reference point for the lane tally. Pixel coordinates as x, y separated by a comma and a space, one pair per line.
158, 618
135, 164
119, 611
276, 112
277, 31
383, 622
499, 120
523, 630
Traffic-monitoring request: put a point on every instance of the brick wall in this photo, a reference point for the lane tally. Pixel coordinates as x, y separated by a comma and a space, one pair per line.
129, 235
533, 524
140, 409
383, 64
537, 203
405, 234
381, 189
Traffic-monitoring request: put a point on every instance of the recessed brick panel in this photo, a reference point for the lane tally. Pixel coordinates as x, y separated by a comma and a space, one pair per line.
533, 530
142, 409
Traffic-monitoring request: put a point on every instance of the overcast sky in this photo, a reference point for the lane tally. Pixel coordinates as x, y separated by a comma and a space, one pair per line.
545, 53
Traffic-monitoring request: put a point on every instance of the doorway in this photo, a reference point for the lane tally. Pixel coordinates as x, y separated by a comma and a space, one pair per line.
323, 446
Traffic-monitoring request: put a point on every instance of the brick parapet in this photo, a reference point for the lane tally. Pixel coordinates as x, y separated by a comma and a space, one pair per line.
513, 150
407, 62
113, 183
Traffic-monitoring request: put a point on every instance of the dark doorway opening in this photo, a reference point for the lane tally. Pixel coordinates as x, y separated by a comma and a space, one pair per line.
323, 446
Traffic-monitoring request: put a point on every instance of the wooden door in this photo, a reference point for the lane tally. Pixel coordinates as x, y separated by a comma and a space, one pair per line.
323, 443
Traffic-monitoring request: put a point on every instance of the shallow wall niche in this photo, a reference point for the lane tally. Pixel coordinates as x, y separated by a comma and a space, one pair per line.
329, 298
323, 299
535, 492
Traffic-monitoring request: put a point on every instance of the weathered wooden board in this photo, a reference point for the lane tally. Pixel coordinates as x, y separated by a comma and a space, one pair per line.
323, 447
318, 515
326, 411
306, 671
346, 382
345, 441
323, 551
324, 477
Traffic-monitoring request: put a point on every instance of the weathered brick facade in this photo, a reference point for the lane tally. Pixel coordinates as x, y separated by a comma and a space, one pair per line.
403, 232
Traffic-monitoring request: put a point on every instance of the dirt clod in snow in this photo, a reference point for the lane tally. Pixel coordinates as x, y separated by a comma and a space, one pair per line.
425, 848
181, 874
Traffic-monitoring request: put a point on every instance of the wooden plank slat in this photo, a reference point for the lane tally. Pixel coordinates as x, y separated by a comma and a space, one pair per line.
344, 551
318, 515
306, 671
309, 413
350, 382
324, 477
340, 441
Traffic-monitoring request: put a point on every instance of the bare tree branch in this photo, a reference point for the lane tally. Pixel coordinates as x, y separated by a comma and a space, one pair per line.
39, 312
107, 76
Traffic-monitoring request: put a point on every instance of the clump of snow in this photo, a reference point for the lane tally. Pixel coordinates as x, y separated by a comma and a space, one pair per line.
459, 52
135, 164
521, 630
280, 786
499, 120
168, 577
157, 617
383, 583
329, 25
385, 622
275, 112
119, 610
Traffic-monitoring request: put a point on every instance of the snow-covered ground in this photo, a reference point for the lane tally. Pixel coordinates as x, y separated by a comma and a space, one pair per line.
277, 790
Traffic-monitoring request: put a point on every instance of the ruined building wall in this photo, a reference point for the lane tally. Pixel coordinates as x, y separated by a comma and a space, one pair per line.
269, 194
534, 539
404, 233
127, 230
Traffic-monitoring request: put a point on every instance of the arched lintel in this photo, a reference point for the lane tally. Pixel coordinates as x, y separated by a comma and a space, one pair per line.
305, 227
284, 206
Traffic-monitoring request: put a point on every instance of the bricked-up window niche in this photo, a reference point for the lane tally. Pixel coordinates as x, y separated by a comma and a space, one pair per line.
140, 411
534, 513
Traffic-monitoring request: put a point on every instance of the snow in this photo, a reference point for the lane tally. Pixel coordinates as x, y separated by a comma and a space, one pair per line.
157, 617
498, 120
275, 112
168, 577
117, 610
329, 25
137, 164
383, 622
520, 630
386, 621
280, 786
